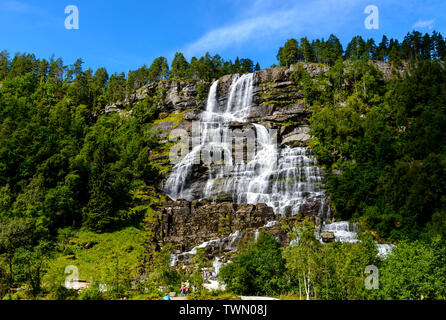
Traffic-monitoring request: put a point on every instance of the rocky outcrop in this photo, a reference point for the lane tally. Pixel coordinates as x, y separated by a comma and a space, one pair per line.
188, 224
175, 95
275, 95
327, 236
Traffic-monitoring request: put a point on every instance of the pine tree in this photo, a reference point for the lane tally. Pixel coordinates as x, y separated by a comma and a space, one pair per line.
395, 56
438, 45
97, 215
307, 50
333, 49
116, 87
247, 66
4, 64
179, 67
289, 53
371, 49
383, 49
427, 47
193, 68
356, 48
236, 66
159, 70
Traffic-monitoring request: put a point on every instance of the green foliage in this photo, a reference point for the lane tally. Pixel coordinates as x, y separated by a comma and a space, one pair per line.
257, 271
160, 270
414, 269
65, 164
158, 70
383, 143
290, 53
415, 47
212, 295
201, 92
180, 66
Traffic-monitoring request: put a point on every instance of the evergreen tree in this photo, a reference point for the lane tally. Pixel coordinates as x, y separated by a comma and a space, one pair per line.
247, 66
383, 49
307, 50
56, 69
159, 69
116, 88
4, 64
333, 50
97, 215
371, 49
193, 71
236, 66
289, 53
180, 66
412, 46
427, 47
395, 55
438, 45
137, 79
356, 48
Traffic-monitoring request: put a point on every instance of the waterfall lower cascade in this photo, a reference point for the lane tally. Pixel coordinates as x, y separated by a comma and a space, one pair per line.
343, 231
282, 178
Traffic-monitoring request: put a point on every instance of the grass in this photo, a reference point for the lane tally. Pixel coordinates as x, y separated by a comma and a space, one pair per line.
213, 295
173, 117
98, 256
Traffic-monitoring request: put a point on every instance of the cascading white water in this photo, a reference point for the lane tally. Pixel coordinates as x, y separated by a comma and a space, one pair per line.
343, 231
283, 179
228, 243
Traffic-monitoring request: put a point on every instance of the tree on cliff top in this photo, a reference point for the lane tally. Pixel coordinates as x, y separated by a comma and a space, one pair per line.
159, 69
289, 53
180, 66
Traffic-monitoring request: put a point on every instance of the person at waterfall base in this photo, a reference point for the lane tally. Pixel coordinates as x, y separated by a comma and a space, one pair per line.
166, 297
187, 287
182, 289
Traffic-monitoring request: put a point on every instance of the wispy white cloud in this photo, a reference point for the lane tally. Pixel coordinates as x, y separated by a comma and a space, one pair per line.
17, 10
266, 20
16, 6
426, 24
239, 32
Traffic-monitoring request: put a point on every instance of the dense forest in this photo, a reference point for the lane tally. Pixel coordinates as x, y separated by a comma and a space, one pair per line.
71, 175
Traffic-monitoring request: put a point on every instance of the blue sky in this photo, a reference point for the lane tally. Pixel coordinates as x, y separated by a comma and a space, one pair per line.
122, 35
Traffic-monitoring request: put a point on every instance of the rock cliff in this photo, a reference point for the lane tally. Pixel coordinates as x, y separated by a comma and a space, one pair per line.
213, 224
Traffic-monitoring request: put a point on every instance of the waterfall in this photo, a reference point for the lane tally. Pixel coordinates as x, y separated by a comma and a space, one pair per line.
343, 231
282, 178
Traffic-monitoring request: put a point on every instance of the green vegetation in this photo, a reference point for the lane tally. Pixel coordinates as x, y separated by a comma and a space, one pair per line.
258, 271
62, 166
308, 269
415, 46
383, 145
78, 186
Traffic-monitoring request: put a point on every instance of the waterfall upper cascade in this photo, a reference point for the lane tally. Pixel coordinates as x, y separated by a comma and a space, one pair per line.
283, 178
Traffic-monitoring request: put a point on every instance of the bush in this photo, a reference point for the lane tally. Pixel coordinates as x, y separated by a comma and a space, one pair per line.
258, 271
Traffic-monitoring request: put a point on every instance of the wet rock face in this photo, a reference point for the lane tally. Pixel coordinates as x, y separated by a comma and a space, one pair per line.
311, 207
189, 224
